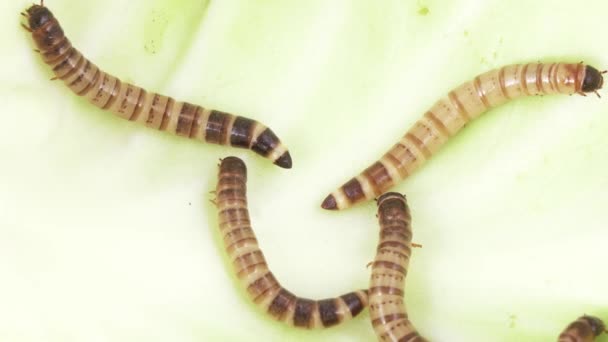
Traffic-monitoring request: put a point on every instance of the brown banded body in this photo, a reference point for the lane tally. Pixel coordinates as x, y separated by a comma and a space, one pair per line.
451, 113
389, 268
584, 329
148, 108
251, 267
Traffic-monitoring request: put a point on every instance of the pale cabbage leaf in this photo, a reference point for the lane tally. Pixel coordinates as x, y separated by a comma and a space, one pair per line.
107, 229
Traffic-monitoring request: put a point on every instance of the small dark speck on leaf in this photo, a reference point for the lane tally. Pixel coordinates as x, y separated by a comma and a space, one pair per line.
423, 10
150, 47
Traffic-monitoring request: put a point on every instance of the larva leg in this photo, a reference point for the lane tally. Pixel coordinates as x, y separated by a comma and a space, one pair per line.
251, 267
133, 103
451, 113
26, 28
584, 329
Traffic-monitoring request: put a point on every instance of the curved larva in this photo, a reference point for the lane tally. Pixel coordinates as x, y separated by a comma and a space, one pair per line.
251, 267
451, 113
584, 329
386, 306
136, 104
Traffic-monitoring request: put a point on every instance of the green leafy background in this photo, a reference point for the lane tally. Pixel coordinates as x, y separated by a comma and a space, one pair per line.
107, 232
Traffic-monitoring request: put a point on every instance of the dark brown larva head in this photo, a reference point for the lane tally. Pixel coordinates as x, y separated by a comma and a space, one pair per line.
597, 326
38, 16
393, 208
233, 165
593, 79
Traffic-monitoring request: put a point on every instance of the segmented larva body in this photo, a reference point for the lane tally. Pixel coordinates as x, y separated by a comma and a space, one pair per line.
136, 104
251, 267
584, 329
386, 306
451, 113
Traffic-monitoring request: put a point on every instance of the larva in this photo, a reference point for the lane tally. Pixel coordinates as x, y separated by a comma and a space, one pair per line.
133, 103
251, 267
389, 268
451, 113
584, 329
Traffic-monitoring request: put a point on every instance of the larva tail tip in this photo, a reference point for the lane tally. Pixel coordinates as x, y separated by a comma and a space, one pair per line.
329, 203
284, 161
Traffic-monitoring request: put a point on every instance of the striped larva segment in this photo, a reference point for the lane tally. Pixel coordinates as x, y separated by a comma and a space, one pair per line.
451, 113
386, 306
251, 267
133, 103
584, 329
